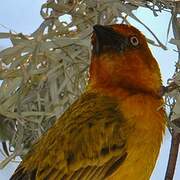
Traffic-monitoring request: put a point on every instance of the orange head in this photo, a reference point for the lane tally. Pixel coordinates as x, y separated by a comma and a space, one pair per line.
121, 59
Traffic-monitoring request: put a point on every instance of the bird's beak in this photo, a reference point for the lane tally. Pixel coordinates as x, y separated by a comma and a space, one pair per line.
104, 38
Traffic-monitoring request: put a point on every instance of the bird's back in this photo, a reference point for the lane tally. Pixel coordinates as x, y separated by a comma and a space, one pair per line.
89, 138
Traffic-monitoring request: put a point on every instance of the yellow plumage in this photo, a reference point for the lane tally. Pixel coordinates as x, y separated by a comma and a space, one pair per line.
114, 130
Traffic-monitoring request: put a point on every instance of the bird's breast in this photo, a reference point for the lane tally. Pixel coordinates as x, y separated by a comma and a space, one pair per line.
146, 120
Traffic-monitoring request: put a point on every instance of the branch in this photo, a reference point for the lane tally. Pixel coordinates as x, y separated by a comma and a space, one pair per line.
173, 156
175, 134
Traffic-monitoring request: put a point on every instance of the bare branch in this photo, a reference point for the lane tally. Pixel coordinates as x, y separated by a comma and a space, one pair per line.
173, 156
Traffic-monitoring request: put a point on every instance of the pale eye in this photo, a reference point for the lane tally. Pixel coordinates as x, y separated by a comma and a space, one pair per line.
134, 41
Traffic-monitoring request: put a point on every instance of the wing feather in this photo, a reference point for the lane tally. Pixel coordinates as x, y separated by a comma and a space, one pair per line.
87, 142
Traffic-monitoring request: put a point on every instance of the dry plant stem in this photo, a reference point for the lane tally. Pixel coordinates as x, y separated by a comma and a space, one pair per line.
173, 156
175, 135
4, 145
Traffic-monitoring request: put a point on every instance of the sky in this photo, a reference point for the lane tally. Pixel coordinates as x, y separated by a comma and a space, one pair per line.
23, 16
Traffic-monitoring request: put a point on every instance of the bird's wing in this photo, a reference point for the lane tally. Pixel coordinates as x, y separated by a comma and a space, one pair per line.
87, 142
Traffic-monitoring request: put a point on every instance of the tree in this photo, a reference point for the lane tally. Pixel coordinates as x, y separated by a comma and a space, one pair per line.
42, 74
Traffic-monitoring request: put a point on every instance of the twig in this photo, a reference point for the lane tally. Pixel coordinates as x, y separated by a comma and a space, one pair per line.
173, 156
9, 158
4, 146
175, 134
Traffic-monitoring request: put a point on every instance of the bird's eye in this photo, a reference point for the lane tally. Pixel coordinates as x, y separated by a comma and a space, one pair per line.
134, 41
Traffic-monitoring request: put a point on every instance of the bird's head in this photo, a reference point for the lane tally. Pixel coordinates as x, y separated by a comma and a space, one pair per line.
121, 59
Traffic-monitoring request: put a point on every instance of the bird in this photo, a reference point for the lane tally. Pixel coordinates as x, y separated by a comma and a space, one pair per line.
115, 129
